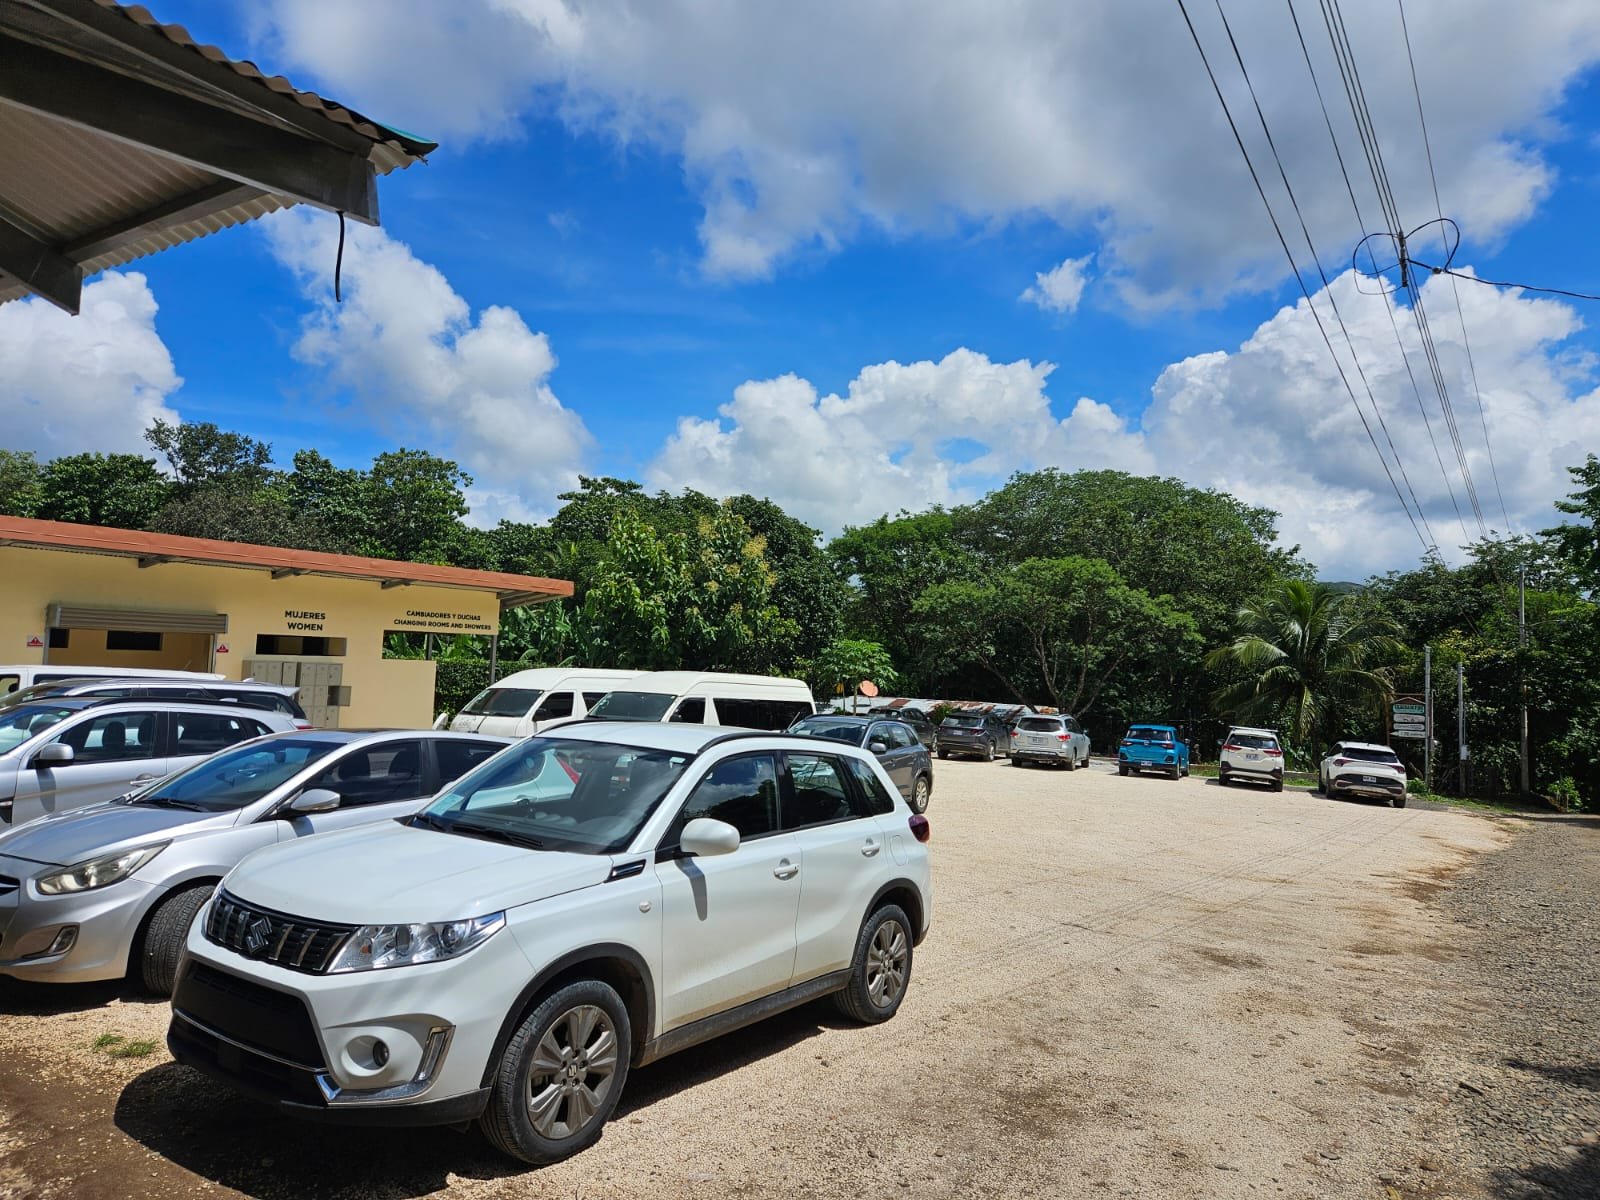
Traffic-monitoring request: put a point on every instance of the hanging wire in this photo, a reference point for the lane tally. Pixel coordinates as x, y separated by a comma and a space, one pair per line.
338, 262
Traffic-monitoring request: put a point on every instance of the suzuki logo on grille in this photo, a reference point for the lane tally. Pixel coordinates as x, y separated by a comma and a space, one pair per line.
256, 935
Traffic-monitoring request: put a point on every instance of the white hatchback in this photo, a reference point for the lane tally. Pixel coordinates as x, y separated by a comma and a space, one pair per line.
584, 902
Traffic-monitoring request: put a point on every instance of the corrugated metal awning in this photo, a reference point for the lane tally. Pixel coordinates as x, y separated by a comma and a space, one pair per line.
74, 616
122, 136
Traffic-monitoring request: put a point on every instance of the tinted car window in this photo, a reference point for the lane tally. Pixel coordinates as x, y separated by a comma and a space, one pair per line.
19, 724
1254, 741
1145, 733
1362, 754
818, 792
375, 775
502, 702
203, 733
113, 738
879, 802
691, 712
590, 699
741, 791
237, 777
1040, 724
847, 730
555, 705
904, 736
632, 706
455, 759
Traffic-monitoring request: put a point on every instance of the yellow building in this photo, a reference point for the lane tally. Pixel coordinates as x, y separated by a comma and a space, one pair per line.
85, 595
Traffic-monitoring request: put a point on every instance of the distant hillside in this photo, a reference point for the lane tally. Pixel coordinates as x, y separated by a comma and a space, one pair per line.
1341, 587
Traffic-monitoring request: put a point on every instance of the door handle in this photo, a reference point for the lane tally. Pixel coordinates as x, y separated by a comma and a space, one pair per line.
786, 870
144, 778
870, 847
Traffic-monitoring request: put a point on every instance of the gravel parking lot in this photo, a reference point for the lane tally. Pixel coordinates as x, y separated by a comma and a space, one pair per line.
1136, 987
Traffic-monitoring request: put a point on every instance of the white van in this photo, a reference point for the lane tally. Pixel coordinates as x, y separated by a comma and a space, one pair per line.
14, 678
708, 698
522, 704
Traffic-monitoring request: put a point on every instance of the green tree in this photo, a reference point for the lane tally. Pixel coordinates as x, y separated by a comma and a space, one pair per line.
204, 456
265, 516
1308, 654
19, 483
1579, 542
413, 502
1057, 630
121, 490
844, 664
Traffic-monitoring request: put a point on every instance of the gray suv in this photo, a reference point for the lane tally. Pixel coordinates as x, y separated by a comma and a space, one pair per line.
894, 742
61, 754
104, 890
974, 734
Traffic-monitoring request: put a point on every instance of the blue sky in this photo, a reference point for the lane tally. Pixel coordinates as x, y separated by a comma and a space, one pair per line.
811, 242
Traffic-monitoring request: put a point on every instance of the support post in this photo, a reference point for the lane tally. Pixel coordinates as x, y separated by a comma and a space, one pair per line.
1427, 720
494, 655
1461, 722
1523, 781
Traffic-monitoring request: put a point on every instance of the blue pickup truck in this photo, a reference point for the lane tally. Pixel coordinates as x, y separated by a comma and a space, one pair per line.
1152, 748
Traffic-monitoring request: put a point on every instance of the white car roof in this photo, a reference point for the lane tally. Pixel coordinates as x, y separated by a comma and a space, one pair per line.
548, 677
1232, 729
681, 738
677, 682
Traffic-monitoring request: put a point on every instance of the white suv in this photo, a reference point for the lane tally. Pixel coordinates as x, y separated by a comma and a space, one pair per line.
582, 903
1252, 754
1364, 769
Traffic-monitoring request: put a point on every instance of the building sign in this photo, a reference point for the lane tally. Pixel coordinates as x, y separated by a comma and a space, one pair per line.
423, 620
298, 620
36, 642
1409, 718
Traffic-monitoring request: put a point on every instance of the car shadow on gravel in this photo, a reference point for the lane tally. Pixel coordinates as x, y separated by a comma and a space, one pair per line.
1577, 1179
1586, 1077
205, 1127
21, 998
233, 1141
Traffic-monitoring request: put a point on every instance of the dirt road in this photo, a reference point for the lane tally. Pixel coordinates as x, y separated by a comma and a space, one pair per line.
1133, 987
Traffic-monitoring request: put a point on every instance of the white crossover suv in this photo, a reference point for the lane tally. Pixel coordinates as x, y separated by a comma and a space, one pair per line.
582, 903
1364, 769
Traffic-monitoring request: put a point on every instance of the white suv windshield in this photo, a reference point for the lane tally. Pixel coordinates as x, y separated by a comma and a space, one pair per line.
1040, 724
559, 794
1253, 741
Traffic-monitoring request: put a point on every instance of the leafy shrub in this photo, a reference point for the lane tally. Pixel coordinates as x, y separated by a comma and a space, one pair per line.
1564, 795
457, 681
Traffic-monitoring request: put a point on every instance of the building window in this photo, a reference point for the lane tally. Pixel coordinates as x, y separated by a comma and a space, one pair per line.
132, 639
294, 645
58, 638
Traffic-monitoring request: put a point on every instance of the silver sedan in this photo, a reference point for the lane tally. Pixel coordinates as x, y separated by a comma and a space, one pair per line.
101, 891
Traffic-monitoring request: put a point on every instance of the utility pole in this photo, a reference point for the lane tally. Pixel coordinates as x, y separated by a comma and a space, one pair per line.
1461, 721
1522, 671
1427, 720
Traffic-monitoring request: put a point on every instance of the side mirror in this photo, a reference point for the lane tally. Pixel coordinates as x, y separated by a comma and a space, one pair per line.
878, 748
53, 755
705, 837
313, 800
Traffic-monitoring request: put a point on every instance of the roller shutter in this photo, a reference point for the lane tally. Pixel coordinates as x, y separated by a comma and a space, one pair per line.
71, 616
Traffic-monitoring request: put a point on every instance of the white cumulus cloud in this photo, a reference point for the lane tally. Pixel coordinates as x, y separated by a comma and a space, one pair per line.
800, 125
1060, 288
1269, 422
475, 388
91, 382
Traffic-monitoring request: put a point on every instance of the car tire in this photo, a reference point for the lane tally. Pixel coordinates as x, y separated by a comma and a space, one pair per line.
880, 970
1122, 769
1400, 801
1071, 762
920, 791
988, 754
1017, 762
574, 1028
1277, 785
1222, 780
944, 754
1177, 771
165, 935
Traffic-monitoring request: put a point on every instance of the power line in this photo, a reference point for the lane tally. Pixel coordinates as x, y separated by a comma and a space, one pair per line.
1466, 342
1294, 267
1394, 325
1500, 283
1355, 92
1327, 287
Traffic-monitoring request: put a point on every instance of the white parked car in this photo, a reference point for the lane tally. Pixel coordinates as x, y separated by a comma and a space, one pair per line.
708, 698
1251, 754
583, 903
525, 702
1364, 769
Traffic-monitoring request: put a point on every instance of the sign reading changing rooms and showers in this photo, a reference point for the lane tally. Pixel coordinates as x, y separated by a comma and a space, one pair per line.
1410, 718
304, 620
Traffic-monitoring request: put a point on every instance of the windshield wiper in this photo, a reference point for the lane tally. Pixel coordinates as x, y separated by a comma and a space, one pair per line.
492, 834
167, 802
427, 821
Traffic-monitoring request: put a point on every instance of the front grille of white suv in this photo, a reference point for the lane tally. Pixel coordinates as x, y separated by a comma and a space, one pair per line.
273, 937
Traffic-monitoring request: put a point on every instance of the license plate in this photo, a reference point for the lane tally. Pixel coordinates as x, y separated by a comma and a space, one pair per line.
1253, 757
1369, 779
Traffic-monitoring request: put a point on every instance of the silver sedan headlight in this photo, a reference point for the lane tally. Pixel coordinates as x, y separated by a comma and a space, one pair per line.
97, 872
373, 947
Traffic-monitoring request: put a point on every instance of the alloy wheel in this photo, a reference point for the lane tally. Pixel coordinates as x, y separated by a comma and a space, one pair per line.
887, 959
572, 1072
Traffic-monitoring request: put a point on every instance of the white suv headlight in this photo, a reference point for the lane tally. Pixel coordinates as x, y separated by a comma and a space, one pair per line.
373, 947
97, 872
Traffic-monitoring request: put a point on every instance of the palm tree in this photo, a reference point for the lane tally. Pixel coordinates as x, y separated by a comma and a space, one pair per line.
1313, 653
